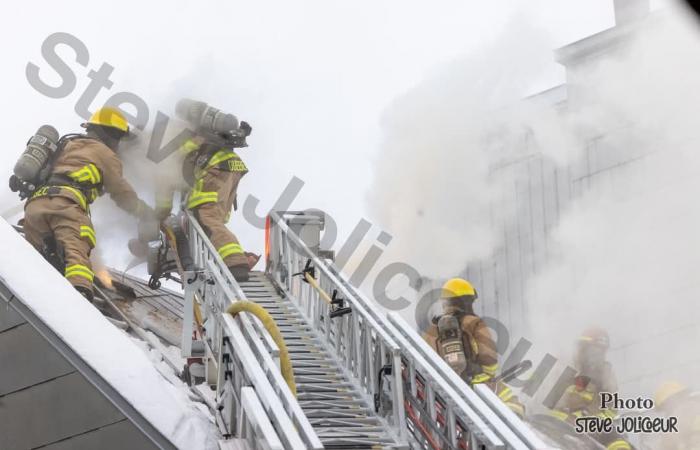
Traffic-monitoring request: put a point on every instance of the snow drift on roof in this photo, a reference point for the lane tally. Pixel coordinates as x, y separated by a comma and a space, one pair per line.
106, 349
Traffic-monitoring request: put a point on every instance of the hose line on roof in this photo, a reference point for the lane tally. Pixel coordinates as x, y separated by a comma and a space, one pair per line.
271, 327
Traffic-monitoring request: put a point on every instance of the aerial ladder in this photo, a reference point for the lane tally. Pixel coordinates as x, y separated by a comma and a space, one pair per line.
298, 358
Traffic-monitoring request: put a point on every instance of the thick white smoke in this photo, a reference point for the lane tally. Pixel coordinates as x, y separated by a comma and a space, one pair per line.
147, 177
625, 252
433, 190
628, 249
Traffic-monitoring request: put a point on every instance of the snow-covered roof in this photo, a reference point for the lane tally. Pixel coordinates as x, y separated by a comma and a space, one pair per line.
108, 351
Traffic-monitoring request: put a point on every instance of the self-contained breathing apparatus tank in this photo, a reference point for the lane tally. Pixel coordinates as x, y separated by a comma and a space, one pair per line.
33, 166
213, 124
450, 341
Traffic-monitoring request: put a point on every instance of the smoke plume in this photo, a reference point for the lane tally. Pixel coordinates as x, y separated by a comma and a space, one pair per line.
433, 189
625, 253
625, 250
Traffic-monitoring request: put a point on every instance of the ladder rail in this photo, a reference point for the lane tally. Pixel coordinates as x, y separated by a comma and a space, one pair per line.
332, 347
296, 254
214, 285
525, 433
420, 401
255, 425
237, 369
486, 403
493, 410
509, 427
453, 421
357, 334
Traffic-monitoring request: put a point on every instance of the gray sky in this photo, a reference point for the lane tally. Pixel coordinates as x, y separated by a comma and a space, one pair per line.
312, 77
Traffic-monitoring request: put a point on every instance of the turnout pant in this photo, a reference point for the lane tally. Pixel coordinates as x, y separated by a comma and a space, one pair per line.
70, 226
214, 213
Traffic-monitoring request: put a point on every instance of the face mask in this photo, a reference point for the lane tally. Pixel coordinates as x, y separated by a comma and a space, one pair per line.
109, 137
457, 307
591, 359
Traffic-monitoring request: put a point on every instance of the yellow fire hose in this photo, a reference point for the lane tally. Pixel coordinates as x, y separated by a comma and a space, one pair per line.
198, 313
271, 327
259, 312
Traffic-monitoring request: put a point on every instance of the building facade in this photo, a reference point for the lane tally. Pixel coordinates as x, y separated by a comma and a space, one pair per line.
540, 191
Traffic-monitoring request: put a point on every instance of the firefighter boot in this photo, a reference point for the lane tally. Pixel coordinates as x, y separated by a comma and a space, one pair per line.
240, 272
85, 292
252, 259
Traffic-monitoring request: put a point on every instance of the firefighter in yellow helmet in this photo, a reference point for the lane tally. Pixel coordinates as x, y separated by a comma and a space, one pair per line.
212, 171
464, 341
674, 399
57, 216
595, 375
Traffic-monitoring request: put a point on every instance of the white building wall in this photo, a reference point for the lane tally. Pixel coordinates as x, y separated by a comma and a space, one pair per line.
665, 345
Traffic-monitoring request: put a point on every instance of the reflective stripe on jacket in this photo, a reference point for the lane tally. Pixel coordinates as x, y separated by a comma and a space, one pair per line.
93, 168
225, 160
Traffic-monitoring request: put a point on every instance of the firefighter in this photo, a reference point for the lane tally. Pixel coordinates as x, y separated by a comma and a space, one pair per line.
213, 171
673, 399
594, 375
57, 216
464, 341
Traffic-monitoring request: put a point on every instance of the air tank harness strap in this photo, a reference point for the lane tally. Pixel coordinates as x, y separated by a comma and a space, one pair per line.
271, 327
52, 191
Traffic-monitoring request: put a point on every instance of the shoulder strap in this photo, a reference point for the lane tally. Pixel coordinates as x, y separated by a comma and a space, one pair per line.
67, 138
62, 142
205, 153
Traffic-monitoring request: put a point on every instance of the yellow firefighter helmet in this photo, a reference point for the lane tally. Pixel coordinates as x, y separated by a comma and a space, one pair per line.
595, 336
109, 117
457, 287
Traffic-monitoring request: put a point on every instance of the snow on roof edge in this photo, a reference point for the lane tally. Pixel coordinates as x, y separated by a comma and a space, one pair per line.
109, 351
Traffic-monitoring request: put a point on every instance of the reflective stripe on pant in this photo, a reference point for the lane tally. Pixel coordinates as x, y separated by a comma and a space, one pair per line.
230, 249
505, 393
517, 408
213, 213
490, 370
68, 223
507, 396
481, 378
80, 271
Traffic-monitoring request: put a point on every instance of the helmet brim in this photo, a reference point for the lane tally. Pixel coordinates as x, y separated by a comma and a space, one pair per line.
127, 133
